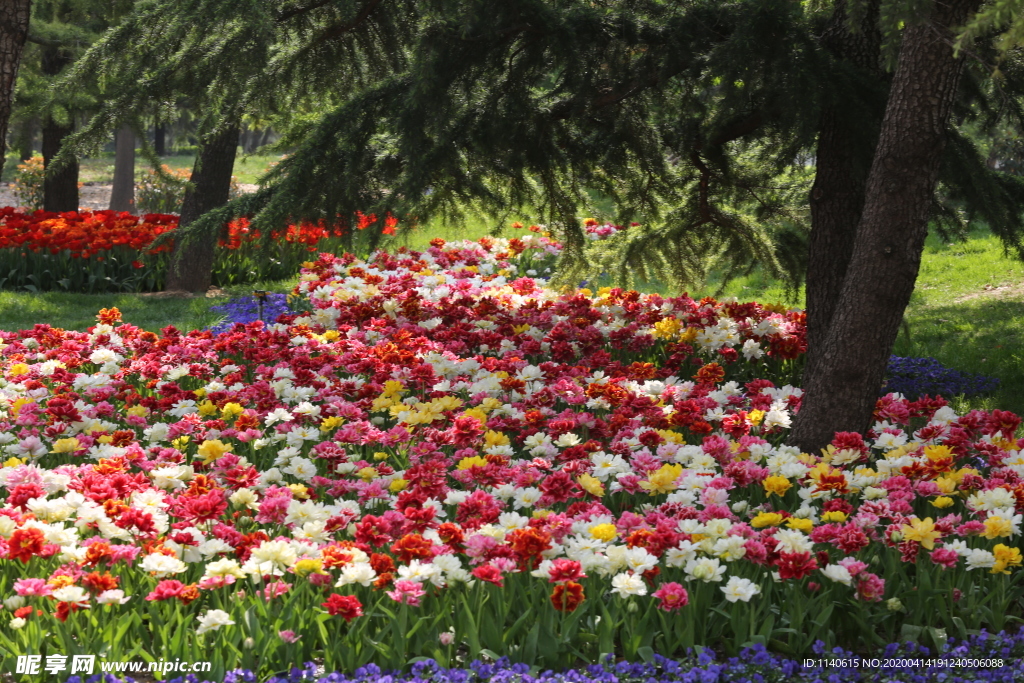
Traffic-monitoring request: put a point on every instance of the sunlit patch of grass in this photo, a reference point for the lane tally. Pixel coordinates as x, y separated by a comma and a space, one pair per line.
22, 310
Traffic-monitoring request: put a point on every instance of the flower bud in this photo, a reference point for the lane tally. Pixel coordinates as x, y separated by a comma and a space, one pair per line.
14, 602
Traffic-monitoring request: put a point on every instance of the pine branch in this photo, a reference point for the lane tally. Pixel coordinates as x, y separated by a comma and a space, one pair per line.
296, 11
342, 29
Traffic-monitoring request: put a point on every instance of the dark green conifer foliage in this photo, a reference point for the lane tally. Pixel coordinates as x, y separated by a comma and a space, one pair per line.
263, 58
61, 30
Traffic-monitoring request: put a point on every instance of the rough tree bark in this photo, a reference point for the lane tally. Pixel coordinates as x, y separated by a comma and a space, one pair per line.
191, 267
840, 393
846, 144
122, 193
14, 20
60, 188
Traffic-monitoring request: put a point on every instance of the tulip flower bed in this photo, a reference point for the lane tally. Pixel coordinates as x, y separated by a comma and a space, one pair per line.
106, 251
441, 459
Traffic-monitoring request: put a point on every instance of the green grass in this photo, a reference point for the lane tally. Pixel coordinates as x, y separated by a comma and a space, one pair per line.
100, 169
22, 310
967, 312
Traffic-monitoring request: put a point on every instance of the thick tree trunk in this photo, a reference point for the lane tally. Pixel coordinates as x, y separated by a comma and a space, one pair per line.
122, 194
191, 267
14, 20
60, 188
846, 143
840, 393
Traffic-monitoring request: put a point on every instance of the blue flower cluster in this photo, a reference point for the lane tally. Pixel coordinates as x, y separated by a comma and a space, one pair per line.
1000, 656
915, 377
247, 309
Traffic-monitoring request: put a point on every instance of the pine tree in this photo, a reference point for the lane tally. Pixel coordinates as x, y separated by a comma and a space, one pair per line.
694, 116
699, 107
61, 31
274, 60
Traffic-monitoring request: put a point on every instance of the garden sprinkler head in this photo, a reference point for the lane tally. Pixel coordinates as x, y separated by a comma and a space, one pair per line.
261, 296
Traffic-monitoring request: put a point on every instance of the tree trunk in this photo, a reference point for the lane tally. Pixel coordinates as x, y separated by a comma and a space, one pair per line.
191, 267
26, 131
160, 139
60, 188
122, 194
841, 391
846, 143
14, 20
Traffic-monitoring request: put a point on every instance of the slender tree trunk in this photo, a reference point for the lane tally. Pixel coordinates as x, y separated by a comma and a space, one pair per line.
60, 188
191, 267
846, 144
122, 194
841, 392
160, 139
14, 20
26, 131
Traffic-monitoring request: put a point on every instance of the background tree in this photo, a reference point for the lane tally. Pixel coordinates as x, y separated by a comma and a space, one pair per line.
122, 190
232, 59
61, 31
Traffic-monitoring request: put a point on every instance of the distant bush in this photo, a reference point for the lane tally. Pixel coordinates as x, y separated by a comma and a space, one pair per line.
28, 183
164, 193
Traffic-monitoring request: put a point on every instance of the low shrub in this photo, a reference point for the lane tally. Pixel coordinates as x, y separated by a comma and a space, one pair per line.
164, 192
28, 183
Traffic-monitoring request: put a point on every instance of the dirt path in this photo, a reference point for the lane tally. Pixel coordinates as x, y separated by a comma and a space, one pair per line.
92, 196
